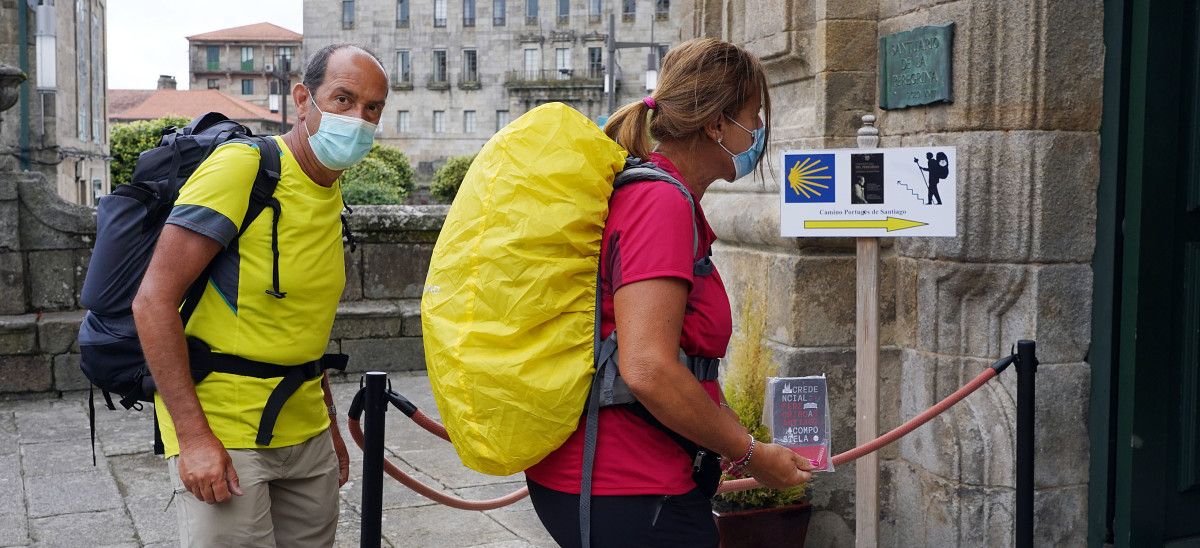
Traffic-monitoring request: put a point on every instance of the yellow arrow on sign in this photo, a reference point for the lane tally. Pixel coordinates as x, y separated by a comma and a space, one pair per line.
891, 224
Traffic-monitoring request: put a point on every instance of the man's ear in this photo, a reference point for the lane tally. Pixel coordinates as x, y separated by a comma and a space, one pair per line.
300, 98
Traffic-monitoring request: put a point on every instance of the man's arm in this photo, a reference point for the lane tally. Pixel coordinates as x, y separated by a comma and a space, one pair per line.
179, 258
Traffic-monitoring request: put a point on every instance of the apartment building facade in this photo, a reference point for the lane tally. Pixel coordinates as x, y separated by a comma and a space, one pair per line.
58, 128
246, 62
462, 69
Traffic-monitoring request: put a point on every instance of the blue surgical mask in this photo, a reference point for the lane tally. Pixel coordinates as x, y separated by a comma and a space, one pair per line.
340, 141
744, 162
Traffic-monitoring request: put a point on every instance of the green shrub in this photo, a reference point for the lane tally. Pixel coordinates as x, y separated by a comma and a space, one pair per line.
372, 182
745, 391
398, 161
127, 141
449, 177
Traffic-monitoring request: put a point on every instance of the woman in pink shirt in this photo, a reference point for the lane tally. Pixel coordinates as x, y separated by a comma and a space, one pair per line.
663, 297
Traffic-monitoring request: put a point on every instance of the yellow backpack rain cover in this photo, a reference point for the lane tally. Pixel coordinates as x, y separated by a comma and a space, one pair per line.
509, 309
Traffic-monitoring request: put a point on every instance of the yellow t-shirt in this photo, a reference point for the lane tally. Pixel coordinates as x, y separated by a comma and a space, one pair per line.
237, 316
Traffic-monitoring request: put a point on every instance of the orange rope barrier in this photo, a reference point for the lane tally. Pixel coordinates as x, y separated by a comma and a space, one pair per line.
438, 430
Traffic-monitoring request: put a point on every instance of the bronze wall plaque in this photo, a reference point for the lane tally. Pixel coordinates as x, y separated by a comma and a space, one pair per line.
915, 67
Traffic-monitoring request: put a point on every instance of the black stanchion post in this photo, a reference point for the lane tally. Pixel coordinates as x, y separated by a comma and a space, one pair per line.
1026, 370
375, 405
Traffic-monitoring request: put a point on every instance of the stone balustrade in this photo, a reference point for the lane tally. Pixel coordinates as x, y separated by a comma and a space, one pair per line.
45, 245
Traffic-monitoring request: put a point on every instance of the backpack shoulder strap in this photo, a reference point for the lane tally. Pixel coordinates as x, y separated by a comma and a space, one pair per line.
636, 170
266, 180
261, 193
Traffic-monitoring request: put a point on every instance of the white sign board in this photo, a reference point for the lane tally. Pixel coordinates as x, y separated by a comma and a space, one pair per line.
864, 192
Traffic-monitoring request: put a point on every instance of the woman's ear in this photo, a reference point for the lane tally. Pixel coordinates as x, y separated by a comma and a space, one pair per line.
715, 129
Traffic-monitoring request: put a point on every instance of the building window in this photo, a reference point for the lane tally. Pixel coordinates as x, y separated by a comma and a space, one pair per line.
439, 13
285, 52
468, 13
212, 84
96, 47
402, 121
662, 9
247, 86
347, 14
562, 63
439, 65
564, 12
470, 65
214, 57
531, 12
501, 119
439, 121
498, 12
595, 63
247, 58
404, 67
594, 10
83, 87
532, 63
401, 14
468, 121
628, 10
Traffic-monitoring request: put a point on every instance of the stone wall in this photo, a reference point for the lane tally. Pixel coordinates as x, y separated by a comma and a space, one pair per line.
1027, 80
45, 245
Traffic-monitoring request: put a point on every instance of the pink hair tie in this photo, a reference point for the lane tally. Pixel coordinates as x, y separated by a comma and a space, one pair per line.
650, 102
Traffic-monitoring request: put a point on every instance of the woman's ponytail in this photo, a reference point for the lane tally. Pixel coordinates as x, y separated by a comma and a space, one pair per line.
629, 127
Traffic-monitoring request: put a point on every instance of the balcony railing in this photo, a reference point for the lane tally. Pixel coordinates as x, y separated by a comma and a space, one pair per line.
468, 21
240, 68
531, 21
439, 22
247, 65
436, 83
553, 77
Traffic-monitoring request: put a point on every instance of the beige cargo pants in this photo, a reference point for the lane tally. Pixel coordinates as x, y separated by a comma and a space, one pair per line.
290, 498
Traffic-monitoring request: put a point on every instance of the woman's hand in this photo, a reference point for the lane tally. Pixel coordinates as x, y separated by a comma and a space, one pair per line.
777, 467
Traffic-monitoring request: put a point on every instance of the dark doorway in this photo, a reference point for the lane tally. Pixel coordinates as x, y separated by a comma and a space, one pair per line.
1146, 347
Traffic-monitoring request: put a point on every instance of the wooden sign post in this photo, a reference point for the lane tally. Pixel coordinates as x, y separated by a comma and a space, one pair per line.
868, 193
866, 367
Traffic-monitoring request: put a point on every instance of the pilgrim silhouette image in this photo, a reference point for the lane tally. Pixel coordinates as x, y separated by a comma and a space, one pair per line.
939, 169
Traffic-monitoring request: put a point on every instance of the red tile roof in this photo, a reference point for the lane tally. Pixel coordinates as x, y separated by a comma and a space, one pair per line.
120, 100
188, 104
258, 32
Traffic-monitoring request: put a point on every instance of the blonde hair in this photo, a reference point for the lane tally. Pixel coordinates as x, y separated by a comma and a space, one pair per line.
700, 80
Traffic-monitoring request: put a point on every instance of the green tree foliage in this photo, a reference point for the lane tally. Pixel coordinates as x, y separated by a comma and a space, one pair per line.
127, 141
395, 158
383, 177
449, 177
372, 182
745, 392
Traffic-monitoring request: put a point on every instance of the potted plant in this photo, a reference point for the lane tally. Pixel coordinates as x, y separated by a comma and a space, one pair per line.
757, 517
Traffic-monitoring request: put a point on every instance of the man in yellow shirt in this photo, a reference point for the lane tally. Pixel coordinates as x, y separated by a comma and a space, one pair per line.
243, 477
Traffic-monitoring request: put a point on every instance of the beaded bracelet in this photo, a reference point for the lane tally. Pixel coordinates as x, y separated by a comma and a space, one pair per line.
736, 467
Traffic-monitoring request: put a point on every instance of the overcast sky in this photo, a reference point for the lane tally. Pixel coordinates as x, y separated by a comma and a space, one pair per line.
147, 38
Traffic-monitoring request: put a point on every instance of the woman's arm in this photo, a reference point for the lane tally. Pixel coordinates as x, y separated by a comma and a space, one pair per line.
649, 317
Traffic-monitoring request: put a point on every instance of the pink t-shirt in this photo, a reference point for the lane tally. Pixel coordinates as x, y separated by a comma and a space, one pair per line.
648, 235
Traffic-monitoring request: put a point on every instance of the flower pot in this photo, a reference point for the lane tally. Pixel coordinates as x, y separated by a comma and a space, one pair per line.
780, 527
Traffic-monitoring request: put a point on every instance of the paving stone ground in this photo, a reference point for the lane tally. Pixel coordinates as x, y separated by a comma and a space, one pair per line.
51, 495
